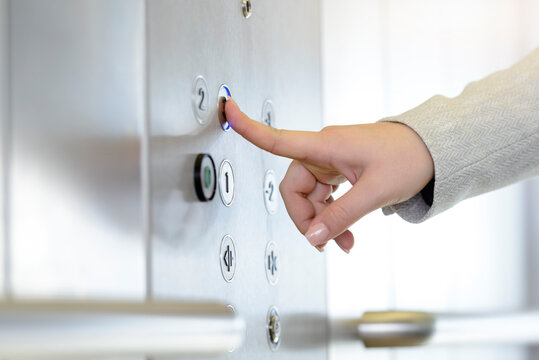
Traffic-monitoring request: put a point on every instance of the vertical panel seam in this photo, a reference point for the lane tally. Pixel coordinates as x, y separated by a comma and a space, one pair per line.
6, 160
145, 156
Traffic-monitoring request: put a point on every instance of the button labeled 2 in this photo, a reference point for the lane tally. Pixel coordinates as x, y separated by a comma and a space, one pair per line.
270, 192
200, 99
226, 182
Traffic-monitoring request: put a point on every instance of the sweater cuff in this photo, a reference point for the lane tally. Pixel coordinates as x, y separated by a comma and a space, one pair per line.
423, 205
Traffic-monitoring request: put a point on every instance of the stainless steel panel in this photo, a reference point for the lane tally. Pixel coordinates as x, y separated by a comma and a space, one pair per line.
77, 77
275, 54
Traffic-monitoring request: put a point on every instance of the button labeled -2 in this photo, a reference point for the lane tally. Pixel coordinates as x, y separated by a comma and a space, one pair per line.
270, 192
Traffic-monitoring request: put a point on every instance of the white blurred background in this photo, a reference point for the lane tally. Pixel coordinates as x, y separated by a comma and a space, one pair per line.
382, 58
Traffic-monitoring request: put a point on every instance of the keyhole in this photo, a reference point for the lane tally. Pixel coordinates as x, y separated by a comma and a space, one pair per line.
268, 119
226, 182
201, 105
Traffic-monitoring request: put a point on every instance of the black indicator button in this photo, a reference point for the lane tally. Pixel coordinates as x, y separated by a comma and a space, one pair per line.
204, 176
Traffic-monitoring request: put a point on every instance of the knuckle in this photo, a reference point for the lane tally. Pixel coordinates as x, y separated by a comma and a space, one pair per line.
282, 186
339, 215
329, 128
276, 140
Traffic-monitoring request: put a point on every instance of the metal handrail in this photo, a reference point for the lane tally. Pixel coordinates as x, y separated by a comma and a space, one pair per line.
411, 328
84, 329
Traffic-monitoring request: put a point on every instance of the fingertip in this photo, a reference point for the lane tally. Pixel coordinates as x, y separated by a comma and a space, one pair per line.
233, 112
317, 234
345, 241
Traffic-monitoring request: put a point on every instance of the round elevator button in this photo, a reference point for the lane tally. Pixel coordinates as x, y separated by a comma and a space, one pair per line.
271, 263
222, 97
227, 258
268, 114
226, 182
200, 99
204, 176
270, 192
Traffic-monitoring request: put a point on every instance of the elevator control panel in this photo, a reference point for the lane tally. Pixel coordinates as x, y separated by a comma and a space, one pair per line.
239, 246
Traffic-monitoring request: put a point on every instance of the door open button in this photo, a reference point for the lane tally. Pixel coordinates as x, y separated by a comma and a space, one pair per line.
227, 258
226, 182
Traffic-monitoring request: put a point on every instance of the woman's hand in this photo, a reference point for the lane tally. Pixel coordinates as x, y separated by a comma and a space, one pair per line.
386, 163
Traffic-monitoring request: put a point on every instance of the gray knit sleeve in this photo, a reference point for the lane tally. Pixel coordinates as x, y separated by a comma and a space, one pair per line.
483, 139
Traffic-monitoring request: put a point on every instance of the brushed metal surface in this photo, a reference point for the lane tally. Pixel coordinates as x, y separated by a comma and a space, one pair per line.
76, 97
275, 54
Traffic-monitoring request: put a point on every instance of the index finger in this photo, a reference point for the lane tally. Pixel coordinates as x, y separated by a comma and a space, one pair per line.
300, 145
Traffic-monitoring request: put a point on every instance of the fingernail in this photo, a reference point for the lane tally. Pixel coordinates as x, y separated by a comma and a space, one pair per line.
320, 248
317, 234
343, 249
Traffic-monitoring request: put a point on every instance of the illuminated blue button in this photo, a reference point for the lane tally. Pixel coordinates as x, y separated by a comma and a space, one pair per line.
222, 97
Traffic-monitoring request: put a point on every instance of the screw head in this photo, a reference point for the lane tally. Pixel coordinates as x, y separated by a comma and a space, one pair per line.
246, 8
274, 328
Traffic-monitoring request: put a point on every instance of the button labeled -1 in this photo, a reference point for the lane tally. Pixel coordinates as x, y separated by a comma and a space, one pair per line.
226, 182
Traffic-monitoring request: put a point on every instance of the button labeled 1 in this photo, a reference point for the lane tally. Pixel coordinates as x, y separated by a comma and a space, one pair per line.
270, 192
226, 182
204, 176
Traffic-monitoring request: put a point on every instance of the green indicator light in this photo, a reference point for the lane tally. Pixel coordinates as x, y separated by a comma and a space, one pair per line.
207, 177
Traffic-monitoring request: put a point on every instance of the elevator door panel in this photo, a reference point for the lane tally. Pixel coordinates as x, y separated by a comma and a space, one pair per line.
76, 83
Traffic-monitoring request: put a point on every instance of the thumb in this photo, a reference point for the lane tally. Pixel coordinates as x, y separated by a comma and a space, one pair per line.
338, 216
